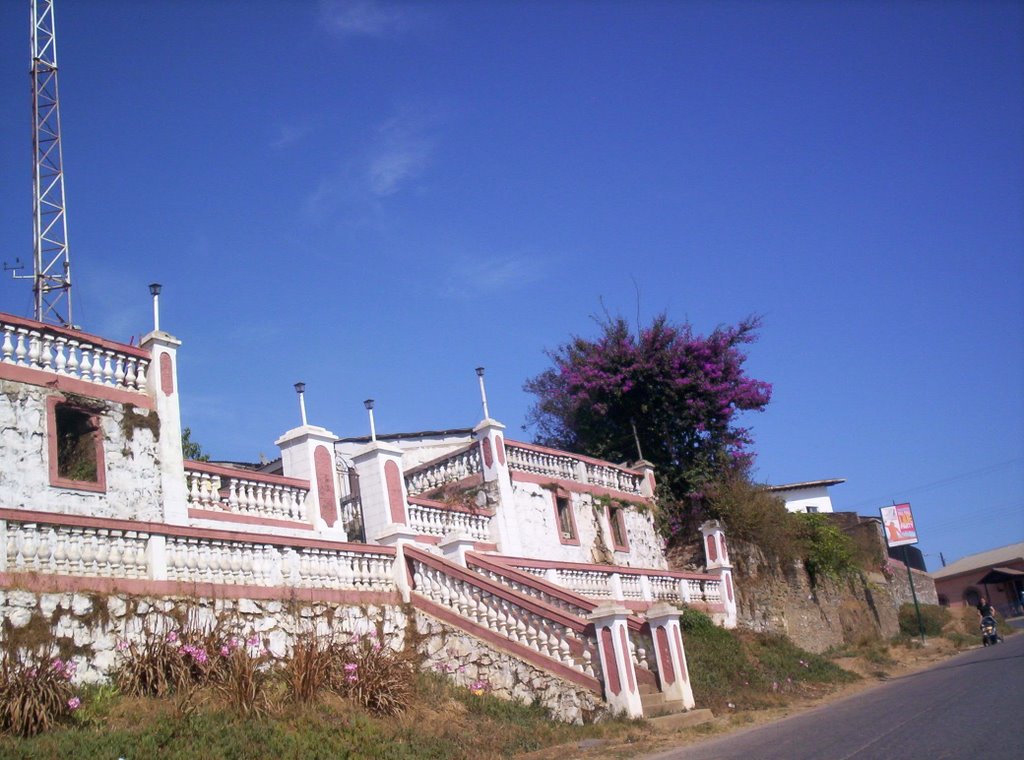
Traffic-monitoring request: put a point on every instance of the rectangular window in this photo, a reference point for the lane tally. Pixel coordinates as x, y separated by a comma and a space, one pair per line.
811, 510
565, 521
617, 522
75, 447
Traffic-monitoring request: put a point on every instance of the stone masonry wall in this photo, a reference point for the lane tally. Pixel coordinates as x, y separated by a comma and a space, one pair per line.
465, 660
830, 614
88, 626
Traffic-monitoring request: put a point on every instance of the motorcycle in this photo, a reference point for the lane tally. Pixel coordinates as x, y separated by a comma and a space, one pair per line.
989, 635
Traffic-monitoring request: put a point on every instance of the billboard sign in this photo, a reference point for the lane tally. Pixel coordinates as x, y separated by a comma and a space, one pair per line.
898, 522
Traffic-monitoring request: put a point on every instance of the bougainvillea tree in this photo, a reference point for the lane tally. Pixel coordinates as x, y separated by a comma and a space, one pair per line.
679, 391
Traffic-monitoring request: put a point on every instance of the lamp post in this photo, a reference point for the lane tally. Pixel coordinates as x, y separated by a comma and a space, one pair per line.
154, 290
373, 429
483, 391
300, 388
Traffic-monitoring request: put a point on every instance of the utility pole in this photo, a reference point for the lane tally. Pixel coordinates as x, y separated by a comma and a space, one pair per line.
51, 277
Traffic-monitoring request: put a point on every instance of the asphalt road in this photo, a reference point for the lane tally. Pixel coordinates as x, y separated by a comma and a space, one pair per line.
970, 706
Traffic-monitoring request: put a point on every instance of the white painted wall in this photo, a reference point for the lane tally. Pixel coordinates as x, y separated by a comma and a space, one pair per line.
799, 499
535, 514
131, 464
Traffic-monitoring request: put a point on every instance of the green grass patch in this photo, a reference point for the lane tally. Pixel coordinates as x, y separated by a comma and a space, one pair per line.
751, 670
443, 721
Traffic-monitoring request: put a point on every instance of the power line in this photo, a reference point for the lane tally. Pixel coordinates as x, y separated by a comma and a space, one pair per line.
988, 469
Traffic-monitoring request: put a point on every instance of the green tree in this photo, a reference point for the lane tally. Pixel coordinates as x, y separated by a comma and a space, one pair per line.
190, 449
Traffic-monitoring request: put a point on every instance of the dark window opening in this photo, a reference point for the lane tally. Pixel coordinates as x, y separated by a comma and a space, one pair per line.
565, 522
76, 444
618, 525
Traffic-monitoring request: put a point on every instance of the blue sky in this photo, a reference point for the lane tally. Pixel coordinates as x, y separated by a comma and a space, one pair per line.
376, 197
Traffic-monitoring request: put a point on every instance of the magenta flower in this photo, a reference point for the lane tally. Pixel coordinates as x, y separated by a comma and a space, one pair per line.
74, 703
172, 637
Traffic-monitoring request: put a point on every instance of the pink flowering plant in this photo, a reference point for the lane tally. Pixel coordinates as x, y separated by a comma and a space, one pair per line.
372, 674
36, 691
679, 393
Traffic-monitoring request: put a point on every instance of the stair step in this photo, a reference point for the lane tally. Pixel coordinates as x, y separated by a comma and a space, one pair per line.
664, 708
652, 701
682, 719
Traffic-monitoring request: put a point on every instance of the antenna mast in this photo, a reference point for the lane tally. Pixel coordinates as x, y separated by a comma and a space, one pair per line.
51, 279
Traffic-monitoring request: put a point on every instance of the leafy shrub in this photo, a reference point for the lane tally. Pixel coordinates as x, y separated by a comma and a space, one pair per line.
241, 675
754, 515
933, 618
373, 675
308, 671
35, 692
827, 551
151, 666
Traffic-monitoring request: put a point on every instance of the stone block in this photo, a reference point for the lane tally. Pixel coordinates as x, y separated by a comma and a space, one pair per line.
22, 599
48, 604
277, 644
19, 617
81, 605
116, 606
248, 607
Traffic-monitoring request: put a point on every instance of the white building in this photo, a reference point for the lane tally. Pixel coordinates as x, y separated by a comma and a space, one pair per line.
809, 496
551, 556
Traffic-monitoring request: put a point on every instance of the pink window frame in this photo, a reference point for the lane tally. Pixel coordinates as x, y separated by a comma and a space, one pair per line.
574, 540
100, 484
618, 514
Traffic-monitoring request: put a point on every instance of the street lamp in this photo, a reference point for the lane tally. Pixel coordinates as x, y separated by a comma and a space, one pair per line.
483, 391
373, 429
154, 290
300, 388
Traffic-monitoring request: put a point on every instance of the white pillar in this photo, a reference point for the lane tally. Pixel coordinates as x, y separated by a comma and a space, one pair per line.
673, 675
307, 453
455, 545
382, 492
162, 387
505, 525
620, 684
648, 486
718, 563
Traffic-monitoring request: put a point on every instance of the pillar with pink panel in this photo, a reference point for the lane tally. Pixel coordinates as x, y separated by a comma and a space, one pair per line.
667, 634
490, 437
382, 492
307, 453
162, 387
621, 689
718, 563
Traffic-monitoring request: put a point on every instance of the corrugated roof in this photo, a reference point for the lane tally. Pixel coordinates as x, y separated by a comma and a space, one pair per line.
807, 484
1001, 556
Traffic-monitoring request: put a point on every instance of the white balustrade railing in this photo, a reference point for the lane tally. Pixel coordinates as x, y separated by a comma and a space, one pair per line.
573, 603
68, 550
557, 636
551, 463
76, 355
75, 550
541, 462
620, 584
529, 589
197, 560
614, 478
243, 493
449, 469
434, 521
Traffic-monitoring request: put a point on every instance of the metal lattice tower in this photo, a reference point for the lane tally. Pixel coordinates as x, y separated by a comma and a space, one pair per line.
52, 263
